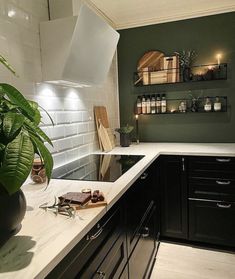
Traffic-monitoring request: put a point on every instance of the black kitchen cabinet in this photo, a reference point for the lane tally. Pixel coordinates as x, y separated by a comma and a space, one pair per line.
174, 212
212, 222
102, 251
138, 200
143, 254
211, 182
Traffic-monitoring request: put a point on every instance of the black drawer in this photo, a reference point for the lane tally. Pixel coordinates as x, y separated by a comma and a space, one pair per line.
101, 236
212, 222
210, 188
143, 254
214, 167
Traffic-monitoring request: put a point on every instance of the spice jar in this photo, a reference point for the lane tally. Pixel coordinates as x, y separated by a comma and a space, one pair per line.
217, 104
207, 105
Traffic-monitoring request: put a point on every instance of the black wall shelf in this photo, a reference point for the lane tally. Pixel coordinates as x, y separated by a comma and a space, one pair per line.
173, 106
198, 73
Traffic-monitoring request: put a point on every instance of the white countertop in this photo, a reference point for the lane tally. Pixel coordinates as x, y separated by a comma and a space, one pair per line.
45, 238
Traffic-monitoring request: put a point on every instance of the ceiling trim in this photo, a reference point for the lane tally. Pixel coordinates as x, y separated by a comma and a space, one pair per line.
178, 17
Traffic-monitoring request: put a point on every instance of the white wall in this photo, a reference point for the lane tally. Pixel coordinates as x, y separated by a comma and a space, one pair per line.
74, 134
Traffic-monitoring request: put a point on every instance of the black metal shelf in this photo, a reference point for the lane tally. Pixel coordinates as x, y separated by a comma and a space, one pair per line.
172, 106
198, 73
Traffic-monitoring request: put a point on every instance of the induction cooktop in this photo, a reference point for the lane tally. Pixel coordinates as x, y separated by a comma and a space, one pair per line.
97, 167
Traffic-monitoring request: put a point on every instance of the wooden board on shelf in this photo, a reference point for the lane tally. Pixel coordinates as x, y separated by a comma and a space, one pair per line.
151, 59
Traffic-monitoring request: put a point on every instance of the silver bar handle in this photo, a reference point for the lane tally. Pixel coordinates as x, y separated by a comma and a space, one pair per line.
223, 182
224, 205
146, 232
144, 176
97, 234
223, 160
183, 164
101, 274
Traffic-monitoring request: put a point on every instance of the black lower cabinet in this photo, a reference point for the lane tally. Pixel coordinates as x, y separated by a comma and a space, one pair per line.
212, 222
143, 254
100, 254
174, 216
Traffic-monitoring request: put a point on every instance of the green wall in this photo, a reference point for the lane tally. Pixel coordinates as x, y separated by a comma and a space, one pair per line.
208, 36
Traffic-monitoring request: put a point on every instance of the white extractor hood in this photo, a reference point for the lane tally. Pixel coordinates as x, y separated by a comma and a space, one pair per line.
77, 50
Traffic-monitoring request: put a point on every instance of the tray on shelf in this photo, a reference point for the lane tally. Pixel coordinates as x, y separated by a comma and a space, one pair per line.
196, 73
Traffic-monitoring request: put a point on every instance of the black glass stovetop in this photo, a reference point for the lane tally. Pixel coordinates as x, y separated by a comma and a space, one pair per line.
97, 167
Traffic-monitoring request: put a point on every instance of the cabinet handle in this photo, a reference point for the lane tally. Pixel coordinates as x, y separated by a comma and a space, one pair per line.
144, 176
224, 205
223, 182
146, 232
95, 235
183, 164
101, 274
223, 160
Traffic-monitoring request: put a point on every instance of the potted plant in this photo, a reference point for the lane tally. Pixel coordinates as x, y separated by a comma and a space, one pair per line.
186, 60
20, 139
125, 135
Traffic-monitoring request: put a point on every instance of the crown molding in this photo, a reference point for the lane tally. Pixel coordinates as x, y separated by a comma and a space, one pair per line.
177, 17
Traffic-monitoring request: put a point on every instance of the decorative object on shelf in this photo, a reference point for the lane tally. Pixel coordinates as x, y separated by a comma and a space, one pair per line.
163, 104
21, 138
186, 60
38, 173
171, 66
153, 104
207, 105
195, 103
139, 105
124, 132
143, 104
137, 128
217, 104
183, 106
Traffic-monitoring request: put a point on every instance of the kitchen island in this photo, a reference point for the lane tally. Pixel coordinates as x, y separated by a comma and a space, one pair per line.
45, 239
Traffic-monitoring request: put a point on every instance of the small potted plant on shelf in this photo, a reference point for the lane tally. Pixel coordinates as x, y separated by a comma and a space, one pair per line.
186, 60
125, 132
20, 139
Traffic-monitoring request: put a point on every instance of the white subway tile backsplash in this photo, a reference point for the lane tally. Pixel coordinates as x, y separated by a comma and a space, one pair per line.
64, 144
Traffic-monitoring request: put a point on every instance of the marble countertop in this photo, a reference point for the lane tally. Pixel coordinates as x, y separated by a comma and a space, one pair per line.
46, 238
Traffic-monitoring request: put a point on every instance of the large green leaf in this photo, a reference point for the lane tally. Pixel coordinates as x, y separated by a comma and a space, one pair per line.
17, 163
37, 130
17, 98
12, 123
37, 115
44, 154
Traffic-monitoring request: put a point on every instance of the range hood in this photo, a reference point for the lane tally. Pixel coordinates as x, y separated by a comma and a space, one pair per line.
77, 50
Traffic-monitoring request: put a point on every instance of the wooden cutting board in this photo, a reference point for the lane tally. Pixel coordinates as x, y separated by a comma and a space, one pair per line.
104, 138
106, 143
90, 205
101, 114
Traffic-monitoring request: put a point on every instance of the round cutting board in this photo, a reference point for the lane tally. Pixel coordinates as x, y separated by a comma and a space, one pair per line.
150, 60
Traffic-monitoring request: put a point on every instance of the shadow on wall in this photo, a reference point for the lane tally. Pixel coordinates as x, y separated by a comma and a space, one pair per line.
15, 253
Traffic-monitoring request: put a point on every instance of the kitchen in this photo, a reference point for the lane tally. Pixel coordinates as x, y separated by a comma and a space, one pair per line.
184, 222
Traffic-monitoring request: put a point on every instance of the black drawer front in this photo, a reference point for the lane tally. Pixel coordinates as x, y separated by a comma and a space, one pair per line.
214, 167
141, 259
210, 188
212, 222
102, 235
211, 163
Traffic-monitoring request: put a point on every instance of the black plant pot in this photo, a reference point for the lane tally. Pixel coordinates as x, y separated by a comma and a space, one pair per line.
12, 212
125, 140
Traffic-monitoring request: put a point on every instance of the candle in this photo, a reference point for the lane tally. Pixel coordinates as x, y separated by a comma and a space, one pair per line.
137, 128
218, 56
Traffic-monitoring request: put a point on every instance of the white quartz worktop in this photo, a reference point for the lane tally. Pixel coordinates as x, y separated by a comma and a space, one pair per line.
45, 238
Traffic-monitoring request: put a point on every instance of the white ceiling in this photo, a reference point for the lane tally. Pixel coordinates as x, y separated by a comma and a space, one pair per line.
132, 13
